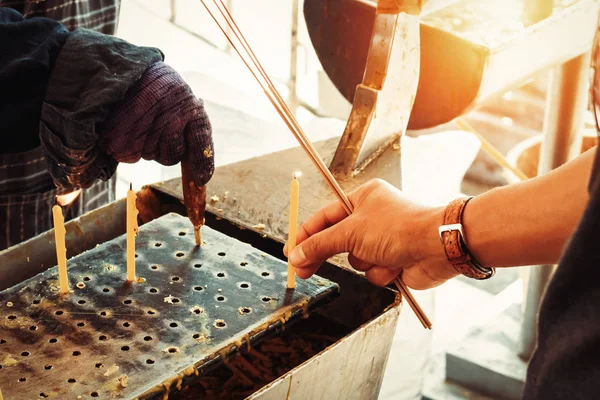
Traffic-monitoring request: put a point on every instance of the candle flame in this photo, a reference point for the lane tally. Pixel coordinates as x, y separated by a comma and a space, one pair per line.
66, 199
297, 174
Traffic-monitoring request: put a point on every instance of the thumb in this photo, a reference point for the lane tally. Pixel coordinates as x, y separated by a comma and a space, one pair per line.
319, 247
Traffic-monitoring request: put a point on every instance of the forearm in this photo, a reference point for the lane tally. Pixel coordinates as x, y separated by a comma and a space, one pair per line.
526, 223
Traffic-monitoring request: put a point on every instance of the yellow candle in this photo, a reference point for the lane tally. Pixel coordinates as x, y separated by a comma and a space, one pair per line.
61, 248
132, 229
293, 227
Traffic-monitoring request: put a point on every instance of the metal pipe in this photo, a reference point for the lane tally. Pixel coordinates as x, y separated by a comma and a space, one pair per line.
566, 103
173, 7
293, 78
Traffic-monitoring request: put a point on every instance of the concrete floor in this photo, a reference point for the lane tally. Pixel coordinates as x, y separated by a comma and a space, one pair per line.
224, 83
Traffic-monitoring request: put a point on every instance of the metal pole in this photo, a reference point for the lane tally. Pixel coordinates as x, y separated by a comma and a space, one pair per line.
566, 103
173, 16
293, 78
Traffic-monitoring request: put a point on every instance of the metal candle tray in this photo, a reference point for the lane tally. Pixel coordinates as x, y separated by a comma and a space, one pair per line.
190, 309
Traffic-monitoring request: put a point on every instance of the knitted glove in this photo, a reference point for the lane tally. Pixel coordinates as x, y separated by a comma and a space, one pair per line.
160, 119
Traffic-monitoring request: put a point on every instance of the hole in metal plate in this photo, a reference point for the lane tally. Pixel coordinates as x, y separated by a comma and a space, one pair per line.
245, 310
219, 323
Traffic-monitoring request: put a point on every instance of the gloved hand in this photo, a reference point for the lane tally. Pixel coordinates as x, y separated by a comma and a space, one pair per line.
160, 119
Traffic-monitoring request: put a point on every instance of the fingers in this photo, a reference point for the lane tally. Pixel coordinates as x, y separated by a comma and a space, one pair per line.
318, 229
323, 219
319, 247
359, 264
381, 276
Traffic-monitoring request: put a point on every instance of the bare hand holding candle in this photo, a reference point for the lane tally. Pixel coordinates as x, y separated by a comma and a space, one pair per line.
132, 230
293, 227
61, 248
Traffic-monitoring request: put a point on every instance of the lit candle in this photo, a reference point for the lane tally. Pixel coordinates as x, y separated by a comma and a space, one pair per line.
293, 228
132, 229
61, 248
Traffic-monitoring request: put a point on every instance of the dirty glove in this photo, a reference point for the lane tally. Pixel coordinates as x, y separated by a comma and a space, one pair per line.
160, 119
110, 101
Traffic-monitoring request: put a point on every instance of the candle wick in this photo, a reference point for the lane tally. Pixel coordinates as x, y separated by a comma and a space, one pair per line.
130, 186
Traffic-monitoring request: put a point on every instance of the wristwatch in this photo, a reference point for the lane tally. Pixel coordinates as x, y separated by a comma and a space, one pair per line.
455, 243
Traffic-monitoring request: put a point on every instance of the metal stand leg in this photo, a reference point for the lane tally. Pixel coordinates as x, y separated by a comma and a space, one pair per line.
293, 96
567, 100
173, 11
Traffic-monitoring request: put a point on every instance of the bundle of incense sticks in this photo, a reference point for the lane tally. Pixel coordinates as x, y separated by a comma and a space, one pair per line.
243, 49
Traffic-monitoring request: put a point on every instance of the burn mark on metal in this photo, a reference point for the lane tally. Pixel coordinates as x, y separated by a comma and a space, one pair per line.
155, 333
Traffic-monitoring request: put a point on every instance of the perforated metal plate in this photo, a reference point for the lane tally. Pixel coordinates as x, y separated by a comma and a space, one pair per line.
110, 339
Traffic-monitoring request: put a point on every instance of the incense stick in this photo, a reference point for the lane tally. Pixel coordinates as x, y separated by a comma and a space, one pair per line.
287, 116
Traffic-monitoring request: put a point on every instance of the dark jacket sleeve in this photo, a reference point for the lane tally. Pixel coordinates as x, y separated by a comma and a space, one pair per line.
28, 51
91, 75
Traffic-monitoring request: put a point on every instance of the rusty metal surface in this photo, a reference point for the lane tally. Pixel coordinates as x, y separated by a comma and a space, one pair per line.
193, 308
383, 102
482, 46
255, 192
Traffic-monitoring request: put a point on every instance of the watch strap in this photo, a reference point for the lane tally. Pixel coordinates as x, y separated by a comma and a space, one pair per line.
455, 244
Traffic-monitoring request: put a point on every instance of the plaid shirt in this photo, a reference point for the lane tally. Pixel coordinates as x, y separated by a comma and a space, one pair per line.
27, 191
99, 15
